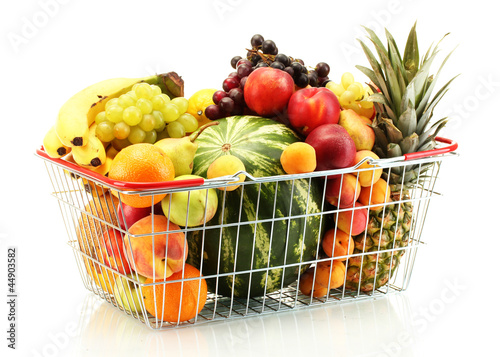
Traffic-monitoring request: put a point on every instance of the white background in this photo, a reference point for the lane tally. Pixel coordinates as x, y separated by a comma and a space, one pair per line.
51, 51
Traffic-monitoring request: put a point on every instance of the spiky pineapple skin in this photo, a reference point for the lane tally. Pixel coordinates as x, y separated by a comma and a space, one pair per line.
380, 247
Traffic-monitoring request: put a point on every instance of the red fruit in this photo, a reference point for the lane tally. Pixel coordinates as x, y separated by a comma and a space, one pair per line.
335, 149
268, 90
309, 108
133, 214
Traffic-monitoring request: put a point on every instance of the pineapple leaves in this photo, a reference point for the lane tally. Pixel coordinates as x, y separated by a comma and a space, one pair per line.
408, 120
410, 143
411, 56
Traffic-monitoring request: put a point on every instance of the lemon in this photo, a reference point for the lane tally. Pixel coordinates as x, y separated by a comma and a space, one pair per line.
198, 102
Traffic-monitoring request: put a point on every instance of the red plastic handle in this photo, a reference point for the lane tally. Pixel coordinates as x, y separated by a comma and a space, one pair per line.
121, 185
439, 151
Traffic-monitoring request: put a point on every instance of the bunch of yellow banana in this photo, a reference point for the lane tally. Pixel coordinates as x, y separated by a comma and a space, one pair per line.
74, 130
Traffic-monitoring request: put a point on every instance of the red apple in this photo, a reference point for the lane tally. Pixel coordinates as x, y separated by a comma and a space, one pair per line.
114, 254
334, 148
309, 108
268, 90
131, 214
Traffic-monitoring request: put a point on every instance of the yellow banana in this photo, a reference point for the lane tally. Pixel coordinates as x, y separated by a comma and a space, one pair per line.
91, 155
94, 188
53, 146
78, 113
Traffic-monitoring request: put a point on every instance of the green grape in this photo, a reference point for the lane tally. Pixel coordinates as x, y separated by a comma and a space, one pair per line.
158, 102
148, 122
162, 135
132, 115
114, 113
189, 122
156, 89
181, 103
119, 144
170, 113
143, 90
159, 122
126, 100
104, 131
144, 105
112, 101
100, 117
132, 94
176, 130
136, 135
150, 137
121, 130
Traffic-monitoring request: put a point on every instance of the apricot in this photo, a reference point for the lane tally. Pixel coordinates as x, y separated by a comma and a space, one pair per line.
329, 274
353, 221
369, 174
336, 243
343, 191
226, 165
375, 195
298, 158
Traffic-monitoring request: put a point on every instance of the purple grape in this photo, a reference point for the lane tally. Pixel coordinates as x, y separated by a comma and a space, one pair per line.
242, 82
235, 60
244, 61
218, 96
256, 40
230, 83
236, 94
213, 112
323, 69
244, 70
226, 104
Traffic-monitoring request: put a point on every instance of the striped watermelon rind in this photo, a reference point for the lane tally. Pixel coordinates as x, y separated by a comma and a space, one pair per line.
277, 223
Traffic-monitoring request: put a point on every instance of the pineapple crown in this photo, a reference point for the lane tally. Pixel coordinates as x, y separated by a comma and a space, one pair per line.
404, 104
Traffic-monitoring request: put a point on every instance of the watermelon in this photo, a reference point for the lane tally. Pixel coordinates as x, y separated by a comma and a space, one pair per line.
260, 237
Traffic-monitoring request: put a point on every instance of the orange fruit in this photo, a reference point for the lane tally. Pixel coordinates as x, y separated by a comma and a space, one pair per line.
197, 104
164, 300
141, 163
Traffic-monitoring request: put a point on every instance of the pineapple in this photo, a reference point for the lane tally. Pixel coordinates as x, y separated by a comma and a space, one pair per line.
403, 125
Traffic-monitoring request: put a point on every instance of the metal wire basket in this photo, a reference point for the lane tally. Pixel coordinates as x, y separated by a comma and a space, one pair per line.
265, 262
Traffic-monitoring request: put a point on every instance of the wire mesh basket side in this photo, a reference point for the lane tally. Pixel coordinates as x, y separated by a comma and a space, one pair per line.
262, 250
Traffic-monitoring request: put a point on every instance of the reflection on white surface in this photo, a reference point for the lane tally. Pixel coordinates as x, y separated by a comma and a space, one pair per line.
381, 327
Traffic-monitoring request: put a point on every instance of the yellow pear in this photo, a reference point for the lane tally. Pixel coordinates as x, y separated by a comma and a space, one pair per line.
360, 132
182, 150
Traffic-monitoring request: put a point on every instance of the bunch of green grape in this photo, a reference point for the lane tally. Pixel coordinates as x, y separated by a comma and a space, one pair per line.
144, 115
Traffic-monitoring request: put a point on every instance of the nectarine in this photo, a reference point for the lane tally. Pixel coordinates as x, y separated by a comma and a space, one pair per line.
158, 255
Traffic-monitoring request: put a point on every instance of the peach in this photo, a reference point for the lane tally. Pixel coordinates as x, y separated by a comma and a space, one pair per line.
353, 221
114, 256
328, 274
375, 195
343, 191
170, 248
298, 158
369, 174
336, 243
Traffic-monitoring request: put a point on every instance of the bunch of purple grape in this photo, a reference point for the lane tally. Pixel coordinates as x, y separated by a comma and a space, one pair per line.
264, 53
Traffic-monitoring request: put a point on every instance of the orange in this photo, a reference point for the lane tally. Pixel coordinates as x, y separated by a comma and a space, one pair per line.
141, 163
164, 300
197, 104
